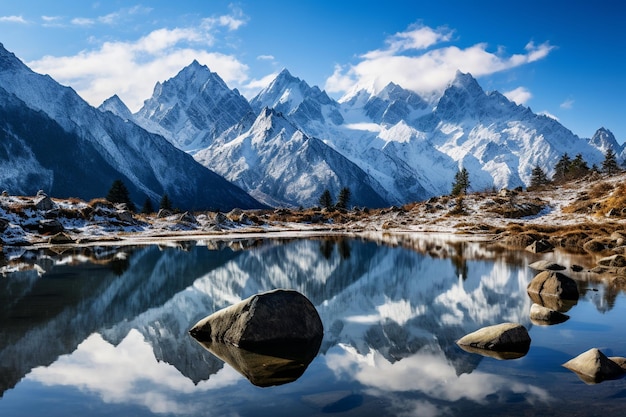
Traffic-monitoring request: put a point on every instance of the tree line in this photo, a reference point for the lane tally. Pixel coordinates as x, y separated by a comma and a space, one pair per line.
118, 193
566, 169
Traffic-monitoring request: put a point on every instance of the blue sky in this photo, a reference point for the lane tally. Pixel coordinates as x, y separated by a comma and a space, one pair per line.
563, 58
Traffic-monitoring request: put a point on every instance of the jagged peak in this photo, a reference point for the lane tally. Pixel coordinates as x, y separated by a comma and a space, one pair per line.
8, 60
115, 105
466, 81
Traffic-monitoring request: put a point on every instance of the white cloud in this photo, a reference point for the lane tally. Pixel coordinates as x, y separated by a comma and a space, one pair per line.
12, 19
567, 104
265, 57
415, 59
254, 86
83, 21
547, 114
130, 69
520, 95
111, 18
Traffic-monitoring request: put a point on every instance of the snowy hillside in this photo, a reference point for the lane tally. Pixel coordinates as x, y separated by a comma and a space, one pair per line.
280, 165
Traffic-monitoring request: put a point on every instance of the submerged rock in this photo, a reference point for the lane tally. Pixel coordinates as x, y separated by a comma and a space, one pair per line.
510, 338
556, 284
593, 367
544, 265
542, 315
270, 338
274, 317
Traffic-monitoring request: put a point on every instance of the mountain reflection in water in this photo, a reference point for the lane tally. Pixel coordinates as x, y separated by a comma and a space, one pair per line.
118, 335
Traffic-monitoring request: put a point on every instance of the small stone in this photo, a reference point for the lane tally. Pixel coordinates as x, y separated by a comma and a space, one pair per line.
545, 265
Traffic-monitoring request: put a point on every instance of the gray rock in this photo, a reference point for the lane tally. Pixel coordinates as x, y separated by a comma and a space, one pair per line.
277, 317
551, 283
545, 265
505, 337
541, 315
125, 216
187, 217
540, 246
615, 261
163, 213
60, 239
593, 366
49, 226
43, 203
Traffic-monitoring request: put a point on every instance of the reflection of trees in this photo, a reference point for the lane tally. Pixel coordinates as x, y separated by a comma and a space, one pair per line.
326, 248
458, 259
344, 249
328, 245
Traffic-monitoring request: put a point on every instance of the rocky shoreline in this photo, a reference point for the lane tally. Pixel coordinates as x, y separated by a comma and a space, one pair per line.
586, 217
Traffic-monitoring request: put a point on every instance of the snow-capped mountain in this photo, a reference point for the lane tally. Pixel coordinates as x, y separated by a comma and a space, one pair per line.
115, 105
192, 108
604, 139
309, 107
406, 148
57, 142
389, 146
279, 165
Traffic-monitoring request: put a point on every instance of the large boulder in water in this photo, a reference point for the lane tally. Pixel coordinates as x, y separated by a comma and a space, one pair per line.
554, 290
505, 337
270, 318
270, 338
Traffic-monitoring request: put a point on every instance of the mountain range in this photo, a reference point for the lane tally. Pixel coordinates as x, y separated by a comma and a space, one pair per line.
207, 146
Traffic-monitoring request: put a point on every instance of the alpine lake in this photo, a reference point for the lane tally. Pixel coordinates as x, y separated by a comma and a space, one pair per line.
104, 331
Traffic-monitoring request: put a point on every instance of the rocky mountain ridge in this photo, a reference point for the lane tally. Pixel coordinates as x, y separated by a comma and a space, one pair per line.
409, 148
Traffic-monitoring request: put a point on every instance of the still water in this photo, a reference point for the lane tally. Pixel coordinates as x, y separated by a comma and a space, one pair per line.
107, 334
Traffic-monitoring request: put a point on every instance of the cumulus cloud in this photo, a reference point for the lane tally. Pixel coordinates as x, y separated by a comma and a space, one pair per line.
130, 69
423, 60
520, 95
12, 19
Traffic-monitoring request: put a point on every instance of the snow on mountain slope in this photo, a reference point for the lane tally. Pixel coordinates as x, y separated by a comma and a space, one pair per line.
280, 165
193, 108
604, 139
116, 106
106, 147
498, 141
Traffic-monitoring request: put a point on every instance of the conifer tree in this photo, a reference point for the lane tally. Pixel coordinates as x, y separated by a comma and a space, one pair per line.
147, 206
326, 200
561, 170
610, 165
538, 177
165, 203
578, 167
461, 182
343, 199
118, 193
